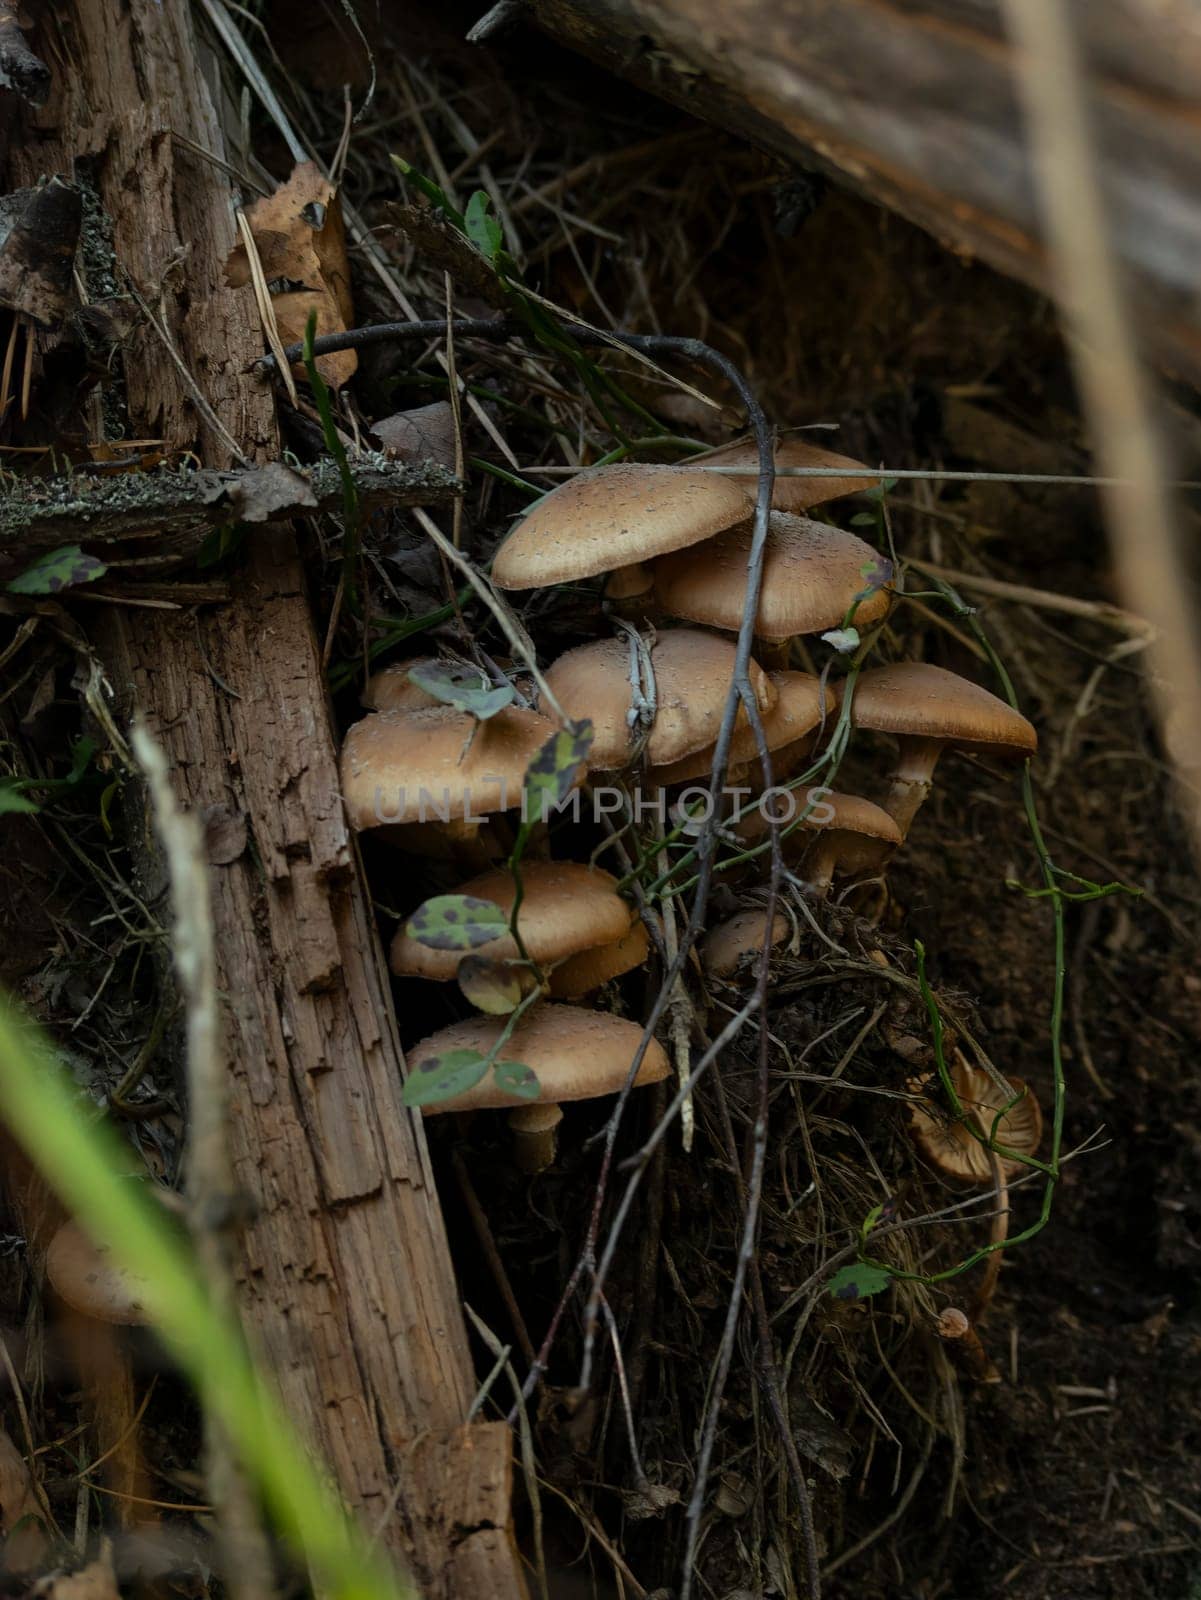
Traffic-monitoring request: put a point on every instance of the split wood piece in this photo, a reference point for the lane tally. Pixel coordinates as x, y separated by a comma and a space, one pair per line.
38, 513
347, 1288
898, 98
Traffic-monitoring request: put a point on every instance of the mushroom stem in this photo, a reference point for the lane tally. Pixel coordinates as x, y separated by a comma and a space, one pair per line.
773, 655
911, 779
535, 1137
997, 1236
820, 865
955, 1328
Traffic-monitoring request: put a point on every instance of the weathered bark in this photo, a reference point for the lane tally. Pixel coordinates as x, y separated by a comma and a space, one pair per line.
914, 103
348, 1289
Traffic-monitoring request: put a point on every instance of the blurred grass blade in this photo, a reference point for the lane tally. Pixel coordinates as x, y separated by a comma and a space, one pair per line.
81, 1161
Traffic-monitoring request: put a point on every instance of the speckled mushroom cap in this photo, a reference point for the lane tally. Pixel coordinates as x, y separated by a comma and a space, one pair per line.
462, 765
391, 689
611, 517
794, 494
581, 974
576, 1055
852, 814
914, 698
91, 1281
811, 574
565, 908
797, 712
742, 935
953, 1149
693, 673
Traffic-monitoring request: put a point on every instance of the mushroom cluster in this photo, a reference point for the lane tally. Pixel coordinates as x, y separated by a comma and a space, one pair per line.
440, 764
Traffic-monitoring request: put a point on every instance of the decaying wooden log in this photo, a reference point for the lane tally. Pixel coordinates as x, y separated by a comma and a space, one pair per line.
914, 103
347, 1285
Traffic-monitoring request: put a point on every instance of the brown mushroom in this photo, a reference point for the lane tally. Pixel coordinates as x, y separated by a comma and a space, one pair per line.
580, 974
954, 1148
437, 764
928, 710
812, 574
565, 908
575, 1055
788, 730
103, 1295
852, 834
726, 947
794, 495
611, 517
693, 672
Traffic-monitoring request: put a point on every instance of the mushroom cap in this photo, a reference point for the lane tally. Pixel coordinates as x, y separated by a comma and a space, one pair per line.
90, 1280
611, 517
693, 673
852, 814
912, 697
565, 908
575, 1054
797, 711
582, 973
390, 689
811, 574
794, 494
742, 935
954, 1149
437, 764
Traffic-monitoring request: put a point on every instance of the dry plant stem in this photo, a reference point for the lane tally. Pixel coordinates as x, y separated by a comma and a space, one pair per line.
1146, 542
210, 1184
1042, 599
483, 1231
681, 1006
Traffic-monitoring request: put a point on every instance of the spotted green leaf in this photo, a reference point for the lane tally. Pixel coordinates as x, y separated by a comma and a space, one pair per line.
441, 1077
515, 1078
555, 771
12, 799
464, 687
64, 568
859, 1281
456, 922
491, 986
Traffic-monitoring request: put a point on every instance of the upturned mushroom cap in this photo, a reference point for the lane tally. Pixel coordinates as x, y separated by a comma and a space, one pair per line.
811, 574
851, 814
954, 1149
611, 517
797, 712
693, 673
436, 764
575, 1054
88, 1278
565, 908
914, 698
581, 974
794, 494
741, 936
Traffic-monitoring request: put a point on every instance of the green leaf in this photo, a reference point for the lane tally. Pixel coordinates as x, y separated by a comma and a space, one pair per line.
555, 771
481, 227
14, 801
515, 1078
859, 1281
870, 1221
464, 687
81, 755
491, 986
438, 1078
64, 568
863, 519
456, 922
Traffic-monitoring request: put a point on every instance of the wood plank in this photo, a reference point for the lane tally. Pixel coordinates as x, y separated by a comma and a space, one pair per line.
347, 1285
913, 102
